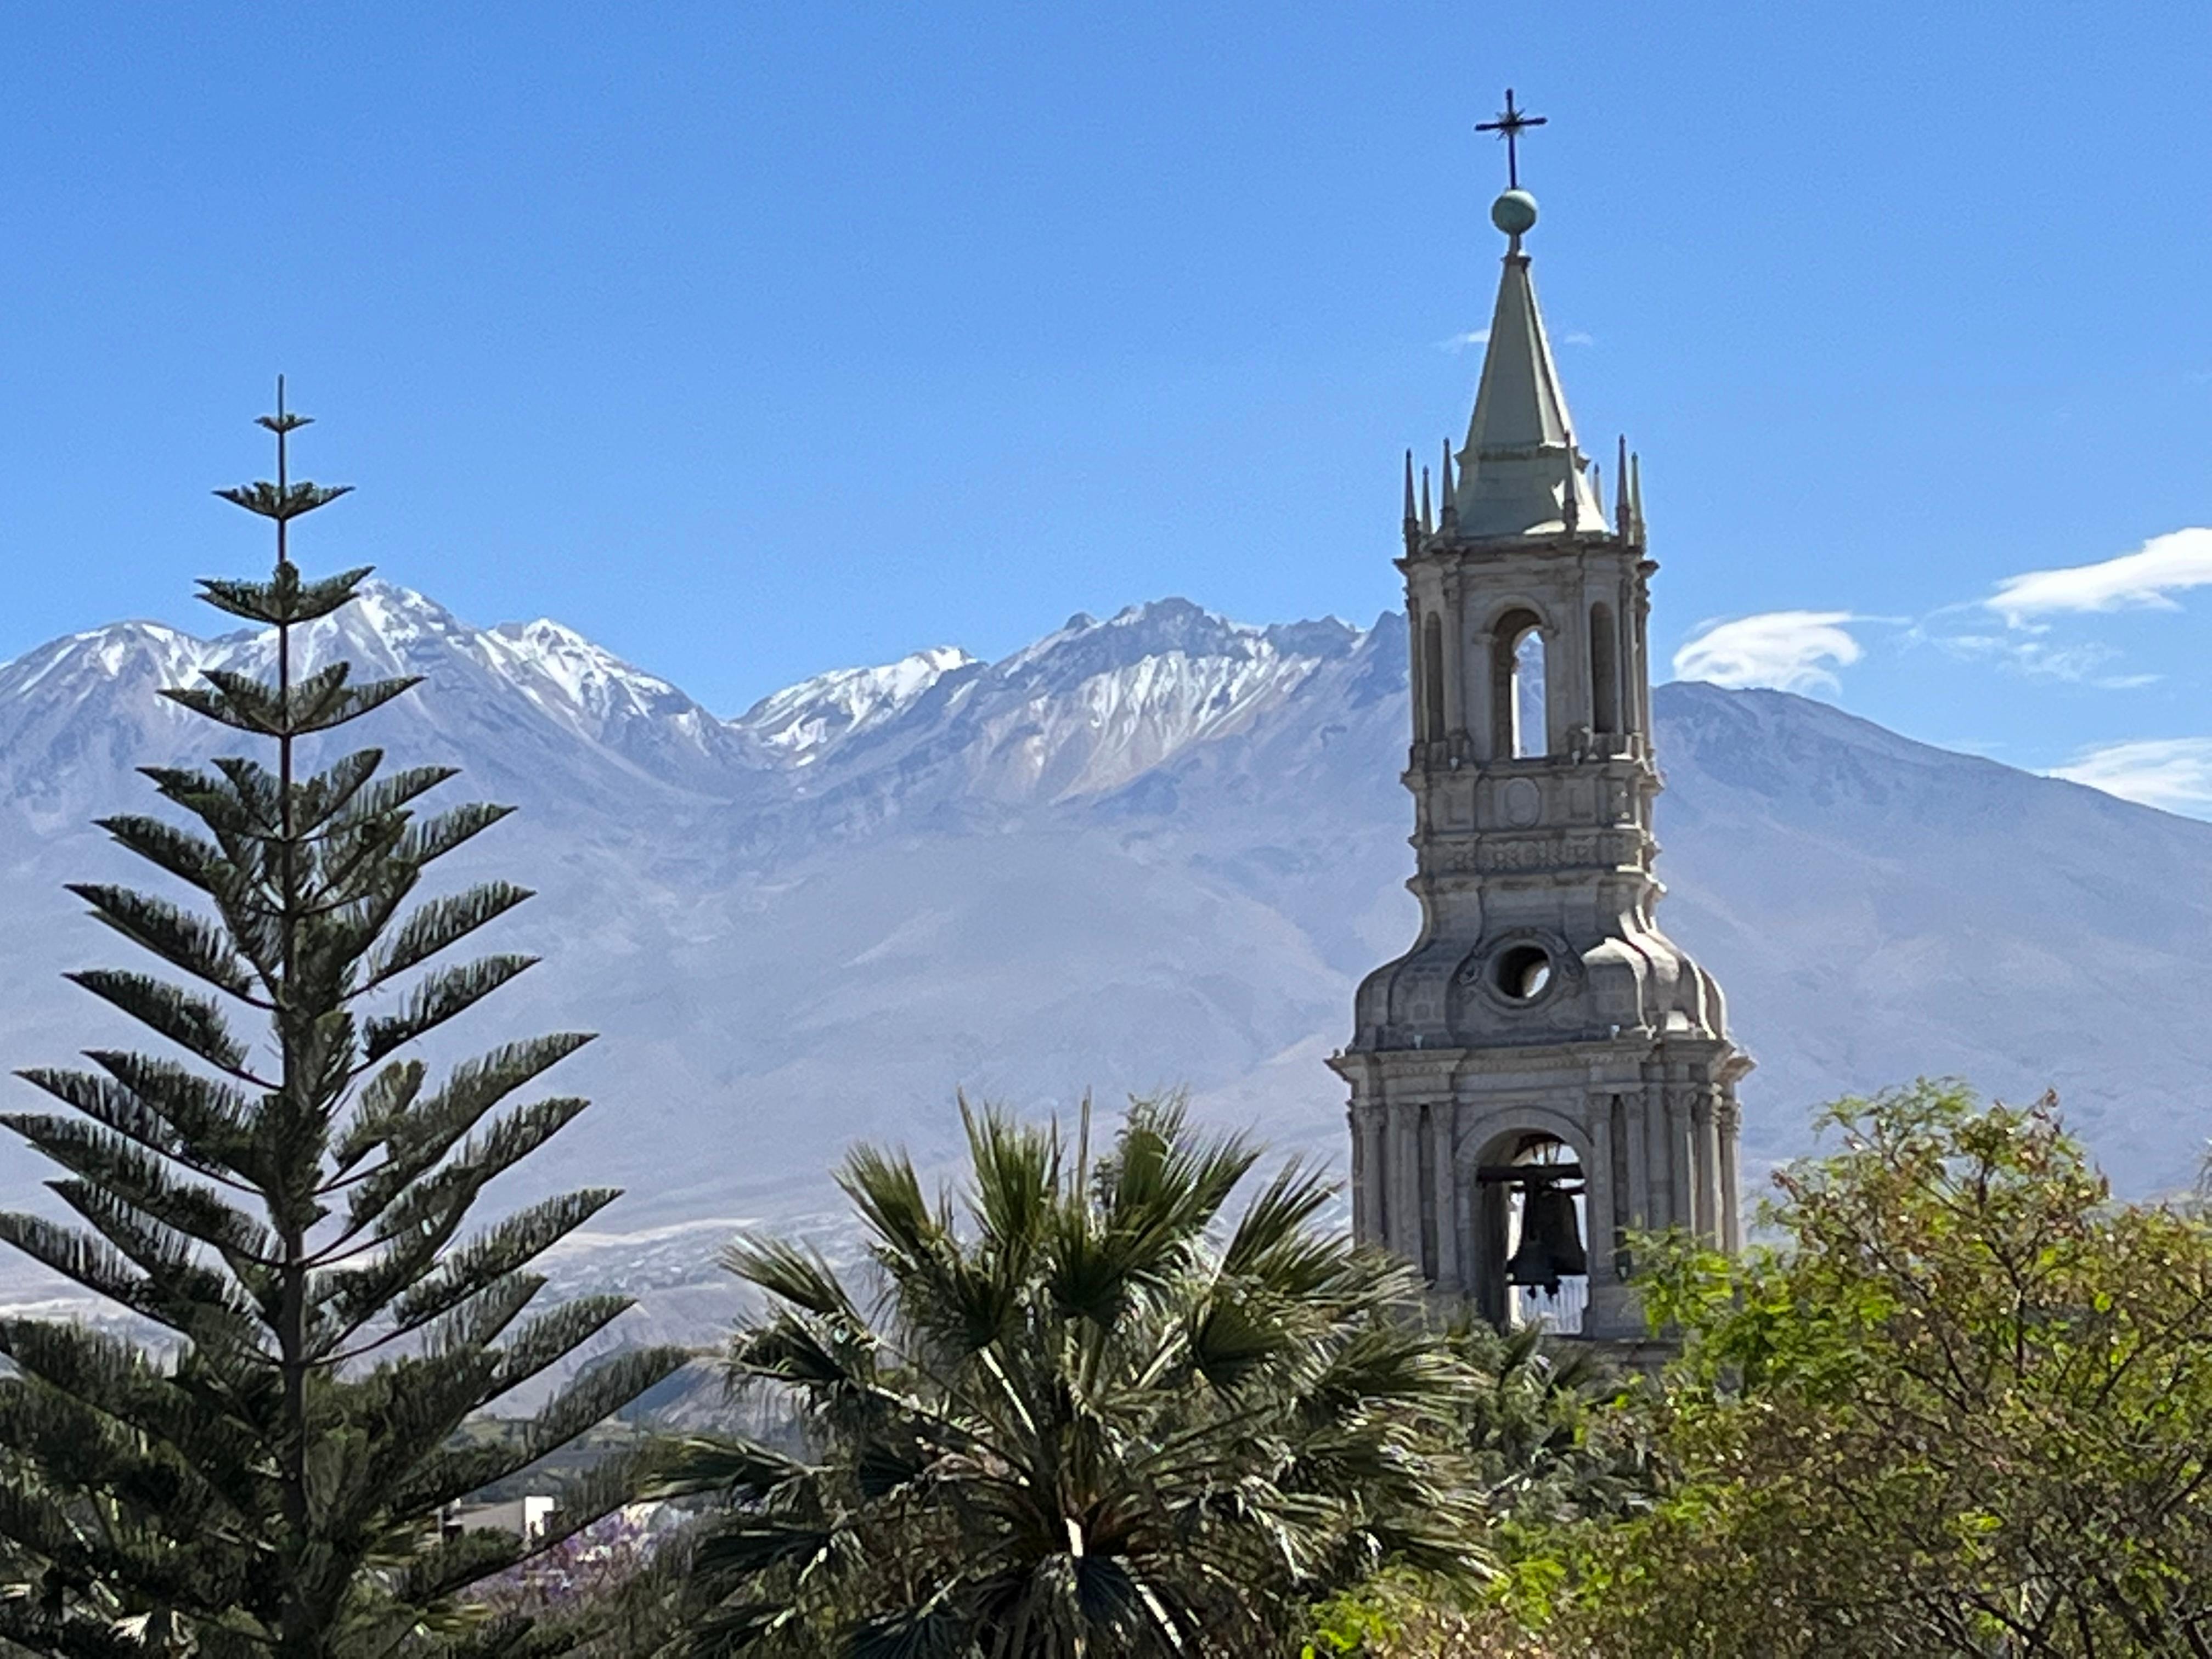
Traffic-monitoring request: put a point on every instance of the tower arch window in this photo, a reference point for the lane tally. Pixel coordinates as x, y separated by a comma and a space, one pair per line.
1432, 677
1517, 684
1605, 670
1531, 1217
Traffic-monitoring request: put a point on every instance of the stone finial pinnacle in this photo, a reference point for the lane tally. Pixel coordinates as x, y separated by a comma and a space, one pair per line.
1448, 491
1409, 490
1425, 523
1621, 488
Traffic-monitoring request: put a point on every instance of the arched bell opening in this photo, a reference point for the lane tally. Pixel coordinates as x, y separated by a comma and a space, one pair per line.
1531, 1219
1517, 686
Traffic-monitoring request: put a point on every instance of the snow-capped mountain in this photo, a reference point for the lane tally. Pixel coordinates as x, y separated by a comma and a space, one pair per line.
1086, 711
535, 705
1152, 850
802, 723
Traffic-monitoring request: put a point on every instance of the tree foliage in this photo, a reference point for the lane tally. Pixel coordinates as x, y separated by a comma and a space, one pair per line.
294, 1215
1964, 1408
1539, 1417
1088, 1415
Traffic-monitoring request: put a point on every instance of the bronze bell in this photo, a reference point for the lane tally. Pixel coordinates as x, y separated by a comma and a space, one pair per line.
1551, 1246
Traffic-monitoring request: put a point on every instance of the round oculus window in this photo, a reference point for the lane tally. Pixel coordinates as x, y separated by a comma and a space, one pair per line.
1522, 972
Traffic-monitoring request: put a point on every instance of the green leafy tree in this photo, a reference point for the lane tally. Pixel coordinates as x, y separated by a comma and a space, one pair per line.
1087, 1416
295, 1214
1965, 1409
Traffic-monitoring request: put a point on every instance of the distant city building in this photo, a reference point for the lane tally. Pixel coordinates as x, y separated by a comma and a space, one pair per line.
525, 1518
1544, 1072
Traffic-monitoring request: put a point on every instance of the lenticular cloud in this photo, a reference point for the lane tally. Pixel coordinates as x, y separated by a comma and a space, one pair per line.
2147, 578
1786, 650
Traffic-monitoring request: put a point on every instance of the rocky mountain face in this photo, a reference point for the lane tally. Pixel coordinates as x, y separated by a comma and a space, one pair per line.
1150, 852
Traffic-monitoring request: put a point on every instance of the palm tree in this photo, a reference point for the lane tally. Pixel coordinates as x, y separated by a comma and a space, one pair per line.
1546, 1446
1085, 1416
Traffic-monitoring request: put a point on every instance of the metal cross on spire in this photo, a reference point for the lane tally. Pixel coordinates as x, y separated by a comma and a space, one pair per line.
1510, 124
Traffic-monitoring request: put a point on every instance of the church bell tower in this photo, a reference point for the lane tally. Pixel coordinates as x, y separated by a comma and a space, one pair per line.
1544, 1072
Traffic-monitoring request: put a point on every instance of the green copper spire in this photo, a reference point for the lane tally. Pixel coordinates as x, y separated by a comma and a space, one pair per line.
1519, 473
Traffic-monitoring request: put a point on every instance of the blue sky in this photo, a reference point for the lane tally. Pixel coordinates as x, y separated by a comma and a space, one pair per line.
755, 340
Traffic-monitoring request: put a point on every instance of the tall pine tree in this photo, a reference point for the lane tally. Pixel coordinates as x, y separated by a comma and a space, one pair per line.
295, 1212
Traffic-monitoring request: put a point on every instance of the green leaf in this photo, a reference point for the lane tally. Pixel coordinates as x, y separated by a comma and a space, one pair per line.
194, 1022
280, 502
427, 843
179, 938
438, 999
201, 863
285, 599
380, 1114
438, 925
318, 799
418, 1137
118, 1164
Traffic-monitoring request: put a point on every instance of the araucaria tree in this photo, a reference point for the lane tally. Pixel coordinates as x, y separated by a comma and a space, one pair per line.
295, 1211
1093, 1417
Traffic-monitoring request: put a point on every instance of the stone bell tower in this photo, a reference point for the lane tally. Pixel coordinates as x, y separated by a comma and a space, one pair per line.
1542, 1037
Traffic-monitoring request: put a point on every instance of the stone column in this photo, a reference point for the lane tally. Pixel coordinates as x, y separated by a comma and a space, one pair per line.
1570, 681
1642, 679
1633, 676
1658, 1154
1635, 1147
1682, 1159
1405, 1200
1456, 675
1731, 1174
1481, 697
1368, 1209
1443, 1175
1608, 1299
1706, 1149
1414, 664
1361, 1210
1559, 689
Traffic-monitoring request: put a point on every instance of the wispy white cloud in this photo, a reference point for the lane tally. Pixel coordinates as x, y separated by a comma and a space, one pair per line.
1462, 342
1578, 336
2079, 663
2147, 578
1788, 650
2174, 772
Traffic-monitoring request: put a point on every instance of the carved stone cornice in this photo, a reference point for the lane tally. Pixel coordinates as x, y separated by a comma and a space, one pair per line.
1484, 851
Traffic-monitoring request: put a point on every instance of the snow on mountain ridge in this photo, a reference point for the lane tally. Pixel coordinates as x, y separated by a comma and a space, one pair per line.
1091, 707
1077, 715
533, 688
109, 652
388, 630
1078, 712
1083, 646
557, 667
798, 721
